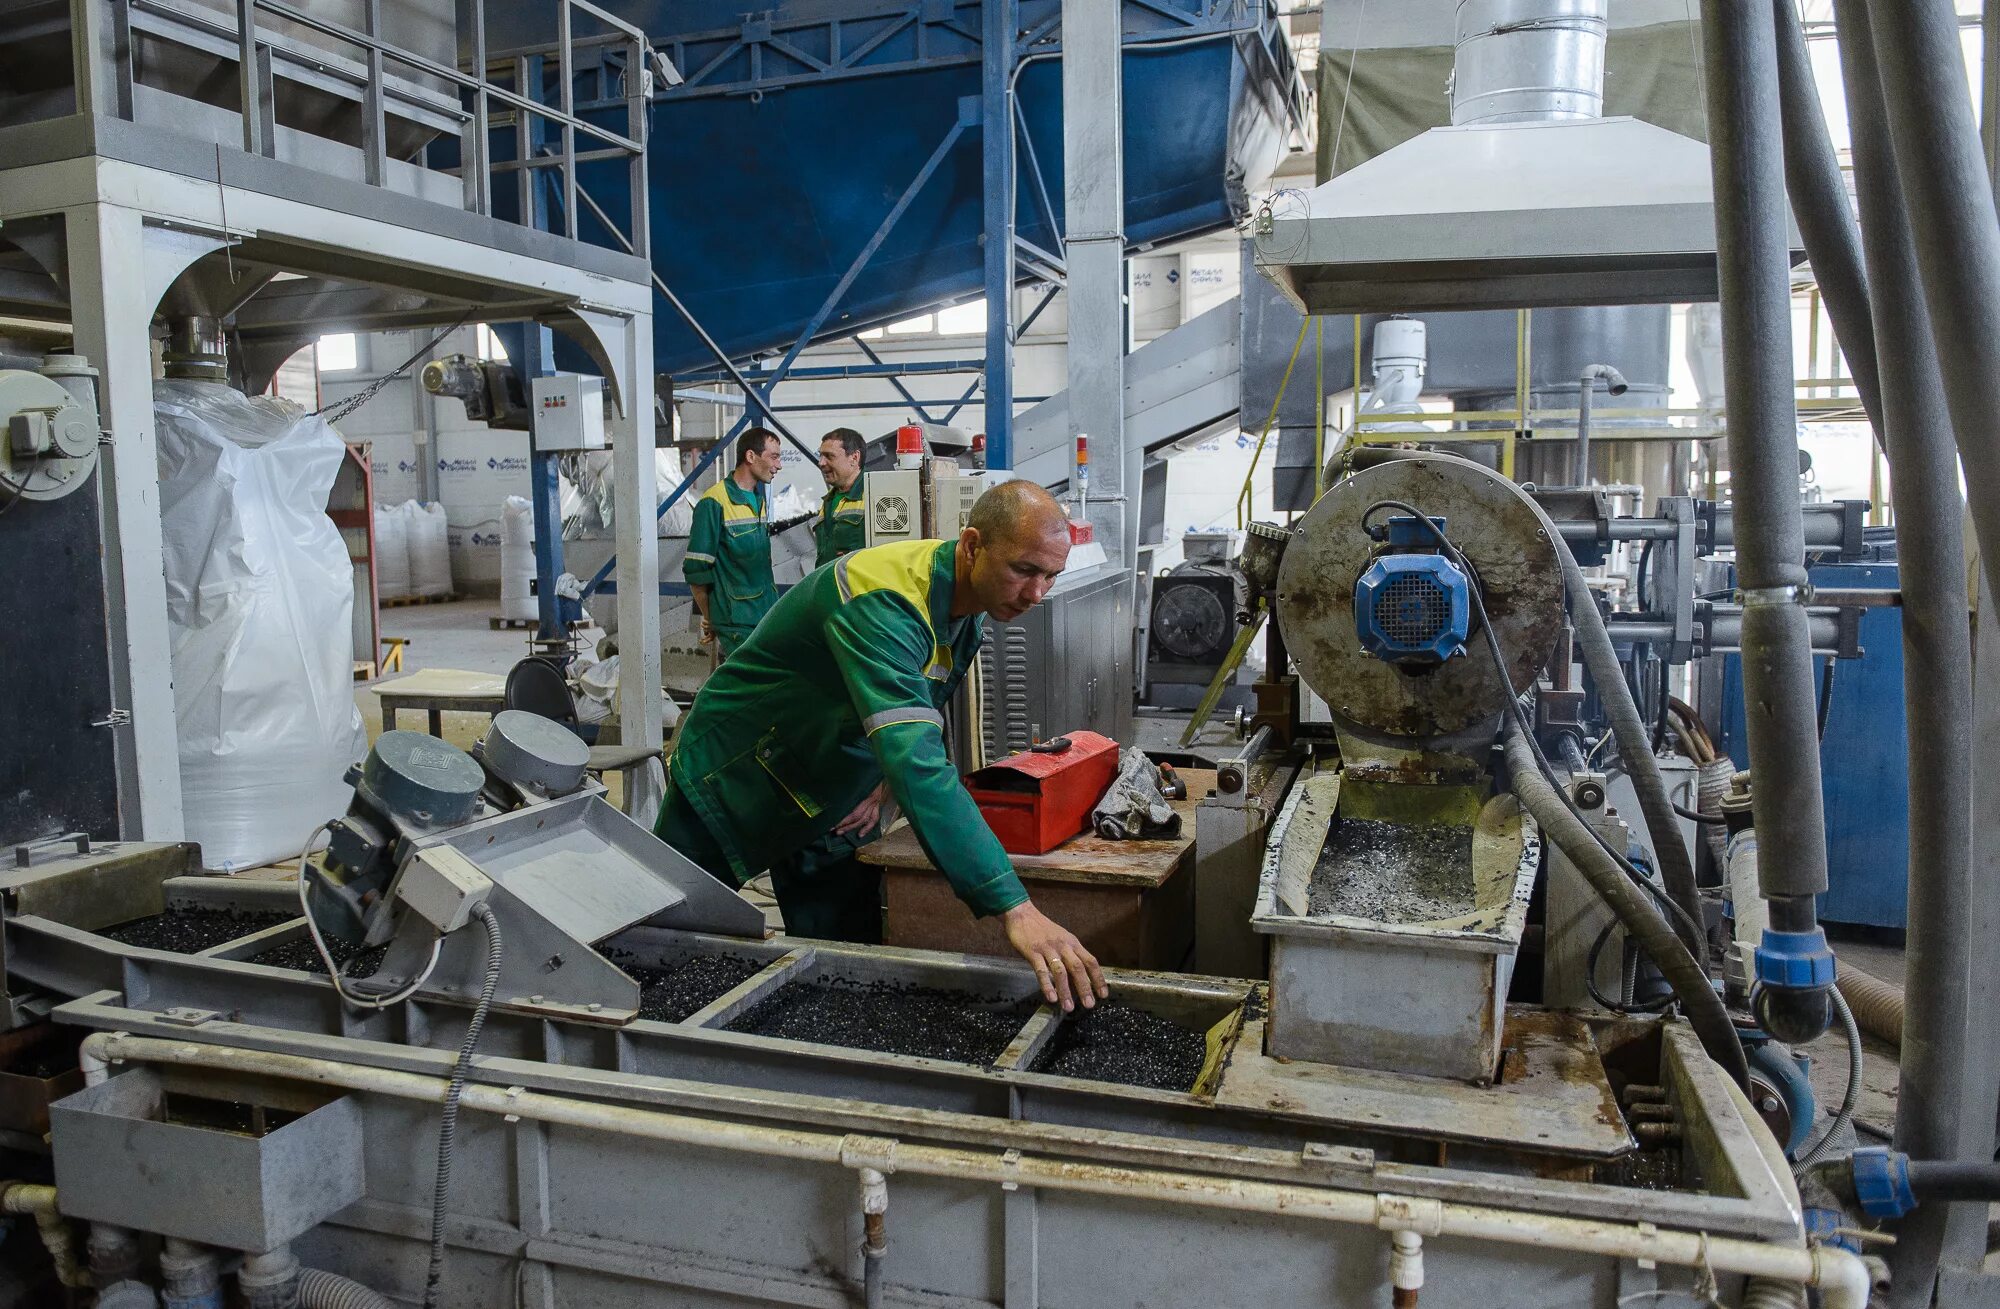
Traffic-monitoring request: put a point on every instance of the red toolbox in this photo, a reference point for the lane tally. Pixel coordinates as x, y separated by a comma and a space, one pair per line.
1036, 800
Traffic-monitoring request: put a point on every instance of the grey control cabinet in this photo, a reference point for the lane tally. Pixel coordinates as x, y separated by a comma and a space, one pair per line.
1065, 665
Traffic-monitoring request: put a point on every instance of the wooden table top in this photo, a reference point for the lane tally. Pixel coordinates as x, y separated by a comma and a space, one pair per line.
1089, 858
443, 684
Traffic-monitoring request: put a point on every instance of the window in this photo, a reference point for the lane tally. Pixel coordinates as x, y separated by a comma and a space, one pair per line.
872, 334
488, 344
968, 319
922, 323
338, 353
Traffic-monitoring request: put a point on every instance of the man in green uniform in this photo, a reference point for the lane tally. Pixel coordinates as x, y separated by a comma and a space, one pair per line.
843, 515
729, 545
834, 702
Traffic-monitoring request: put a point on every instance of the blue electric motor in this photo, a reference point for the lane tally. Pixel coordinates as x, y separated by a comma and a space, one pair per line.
1412, 606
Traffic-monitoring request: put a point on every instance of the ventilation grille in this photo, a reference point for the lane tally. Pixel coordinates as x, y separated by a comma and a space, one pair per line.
1413, 611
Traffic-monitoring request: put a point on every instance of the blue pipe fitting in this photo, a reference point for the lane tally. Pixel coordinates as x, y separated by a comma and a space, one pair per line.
1795, 961
1825, 1227
1882, 1182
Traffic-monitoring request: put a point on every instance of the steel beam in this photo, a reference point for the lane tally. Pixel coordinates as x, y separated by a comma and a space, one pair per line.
1094, 249
1001, 18
112, 317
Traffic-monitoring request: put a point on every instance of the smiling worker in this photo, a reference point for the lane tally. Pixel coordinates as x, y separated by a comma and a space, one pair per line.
836, 698
843, 515
728, 564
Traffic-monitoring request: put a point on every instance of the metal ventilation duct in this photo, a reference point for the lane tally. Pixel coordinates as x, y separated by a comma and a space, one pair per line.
1527, 199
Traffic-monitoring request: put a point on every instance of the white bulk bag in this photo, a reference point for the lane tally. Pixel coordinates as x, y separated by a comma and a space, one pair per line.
392, 554
430, 549
517, 559
259, 597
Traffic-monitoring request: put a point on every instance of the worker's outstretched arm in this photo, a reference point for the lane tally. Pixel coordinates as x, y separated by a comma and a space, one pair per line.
698, 569
881, 649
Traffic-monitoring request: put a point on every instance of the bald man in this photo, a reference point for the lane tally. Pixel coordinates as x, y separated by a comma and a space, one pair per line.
833, 705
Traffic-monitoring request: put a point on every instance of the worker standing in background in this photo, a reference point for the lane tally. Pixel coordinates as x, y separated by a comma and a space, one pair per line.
843, 515
824, 889
833, 705
728, 564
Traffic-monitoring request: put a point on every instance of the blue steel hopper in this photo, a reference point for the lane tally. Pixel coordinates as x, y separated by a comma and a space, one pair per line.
799, 129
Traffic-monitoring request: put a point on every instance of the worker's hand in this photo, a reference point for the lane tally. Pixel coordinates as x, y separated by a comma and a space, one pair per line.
865, 815
707, 632
1067, 971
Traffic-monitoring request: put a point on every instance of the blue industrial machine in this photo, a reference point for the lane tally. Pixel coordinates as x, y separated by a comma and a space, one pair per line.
1862, 754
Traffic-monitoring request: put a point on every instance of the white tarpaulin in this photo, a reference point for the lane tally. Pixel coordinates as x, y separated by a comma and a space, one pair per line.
259, 598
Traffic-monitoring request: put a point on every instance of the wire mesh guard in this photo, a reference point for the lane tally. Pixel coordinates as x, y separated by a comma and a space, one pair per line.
1413, 611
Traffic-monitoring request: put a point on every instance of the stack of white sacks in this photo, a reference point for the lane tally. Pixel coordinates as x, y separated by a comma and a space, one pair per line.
412, 554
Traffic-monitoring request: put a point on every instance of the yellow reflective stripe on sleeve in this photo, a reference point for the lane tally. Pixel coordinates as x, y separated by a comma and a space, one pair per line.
697, 556
840, 577
905, 714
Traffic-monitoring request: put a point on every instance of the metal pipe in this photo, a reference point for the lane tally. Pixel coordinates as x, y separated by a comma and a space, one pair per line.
1842, 1278
1824, 213
1528, 61
1754, 266
1614, 383
39, 1202
874, 1232
1937, 659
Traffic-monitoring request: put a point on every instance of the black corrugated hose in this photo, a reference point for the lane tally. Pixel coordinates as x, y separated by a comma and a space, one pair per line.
448, 1124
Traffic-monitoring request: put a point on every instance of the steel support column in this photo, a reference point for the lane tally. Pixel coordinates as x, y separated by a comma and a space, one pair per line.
1094, 205
635, 492
997, 168
112, 316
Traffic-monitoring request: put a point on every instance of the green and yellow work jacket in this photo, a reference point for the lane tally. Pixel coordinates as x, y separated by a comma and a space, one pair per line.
843, 523
840, 687
729, 552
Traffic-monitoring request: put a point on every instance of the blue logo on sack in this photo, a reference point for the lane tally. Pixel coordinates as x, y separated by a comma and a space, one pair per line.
458, 465
406, 466
486, 538
510, 465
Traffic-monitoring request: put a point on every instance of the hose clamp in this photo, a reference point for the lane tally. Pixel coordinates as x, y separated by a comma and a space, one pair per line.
1766, 597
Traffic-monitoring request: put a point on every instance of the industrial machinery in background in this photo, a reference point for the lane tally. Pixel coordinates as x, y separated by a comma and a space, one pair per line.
1196, 608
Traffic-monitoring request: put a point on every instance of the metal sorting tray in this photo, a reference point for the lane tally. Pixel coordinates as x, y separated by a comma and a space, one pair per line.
216, 1186
1425, 998
1028, 1033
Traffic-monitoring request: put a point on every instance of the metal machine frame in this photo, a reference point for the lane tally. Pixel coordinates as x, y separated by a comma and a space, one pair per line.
118, 209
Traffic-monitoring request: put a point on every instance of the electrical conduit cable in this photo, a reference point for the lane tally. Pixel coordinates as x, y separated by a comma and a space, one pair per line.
1845, 1115
1644, 924
454, 1091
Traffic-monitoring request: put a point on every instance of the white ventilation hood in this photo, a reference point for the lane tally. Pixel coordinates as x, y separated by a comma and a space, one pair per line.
1527, 214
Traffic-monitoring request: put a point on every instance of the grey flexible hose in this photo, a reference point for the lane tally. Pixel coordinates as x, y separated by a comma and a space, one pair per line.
448, 1123
319, 1289
1764, 1294
1634, 745
1845, 1115
1643, 923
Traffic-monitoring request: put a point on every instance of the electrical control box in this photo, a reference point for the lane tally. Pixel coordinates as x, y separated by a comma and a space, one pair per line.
568, 412
443, 887
895, 505
954, 491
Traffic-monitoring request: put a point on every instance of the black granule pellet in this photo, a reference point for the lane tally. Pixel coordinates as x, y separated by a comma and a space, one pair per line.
1394, 872
1117, 1042
190, 931
669, 995
912, 1020
300, 956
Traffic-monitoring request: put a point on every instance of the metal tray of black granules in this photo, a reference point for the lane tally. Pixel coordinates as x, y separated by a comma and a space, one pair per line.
1395, 911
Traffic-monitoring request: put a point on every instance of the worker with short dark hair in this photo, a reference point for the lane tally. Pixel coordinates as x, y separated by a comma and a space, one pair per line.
843, 515
833, 705
728, 564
